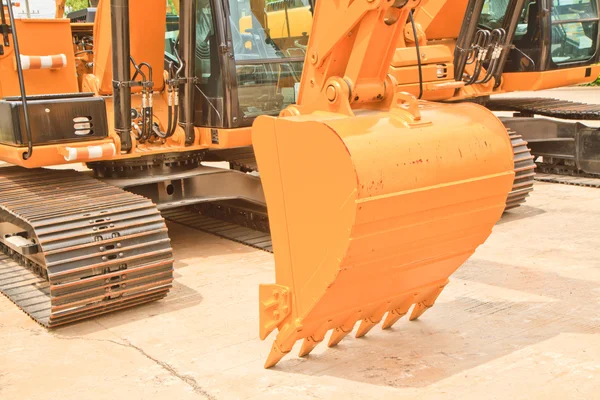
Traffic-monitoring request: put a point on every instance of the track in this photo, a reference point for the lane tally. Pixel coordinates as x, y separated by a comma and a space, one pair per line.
569, 180
524, 172
564, 150
227, 222
74, 247
554, 108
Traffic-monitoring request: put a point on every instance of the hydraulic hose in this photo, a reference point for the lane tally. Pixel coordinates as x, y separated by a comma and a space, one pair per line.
412, 22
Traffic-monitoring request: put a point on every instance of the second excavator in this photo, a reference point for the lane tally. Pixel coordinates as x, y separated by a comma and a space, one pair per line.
468, 50
374, 199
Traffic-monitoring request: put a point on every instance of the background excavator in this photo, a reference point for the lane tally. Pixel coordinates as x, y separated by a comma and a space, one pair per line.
469, 50
374, 198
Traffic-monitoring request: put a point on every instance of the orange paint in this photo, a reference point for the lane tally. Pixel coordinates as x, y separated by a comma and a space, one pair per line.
390, 209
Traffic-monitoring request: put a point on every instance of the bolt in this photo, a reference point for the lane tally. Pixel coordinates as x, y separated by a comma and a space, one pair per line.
314, 57
331, 93
121, 255
123, 277
119, 245
104, 258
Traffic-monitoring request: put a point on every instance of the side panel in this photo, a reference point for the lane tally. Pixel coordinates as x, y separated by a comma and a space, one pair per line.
446, 24
518, 81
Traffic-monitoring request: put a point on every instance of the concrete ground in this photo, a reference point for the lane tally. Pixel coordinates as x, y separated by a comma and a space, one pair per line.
519, 320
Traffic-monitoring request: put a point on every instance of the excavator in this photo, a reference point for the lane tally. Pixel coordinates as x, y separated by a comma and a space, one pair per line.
468, 50
374, 197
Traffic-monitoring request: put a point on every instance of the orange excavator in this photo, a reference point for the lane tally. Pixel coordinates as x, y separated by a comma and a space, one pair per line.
374, 198
467, 50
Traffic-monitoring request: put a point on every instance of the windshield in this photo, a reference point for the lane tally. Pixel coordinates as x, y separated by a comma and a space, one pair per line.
574, 30
574, 27
492, 13
269, 44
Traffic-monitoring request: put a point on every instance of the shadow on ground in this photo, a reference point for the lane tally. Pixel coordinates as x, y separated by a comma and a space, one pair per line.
461, 334
522, 212
180, 297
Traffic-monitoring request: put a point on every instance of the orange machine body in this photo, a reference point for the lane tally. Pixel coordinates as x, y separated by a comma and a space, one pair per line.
147, 45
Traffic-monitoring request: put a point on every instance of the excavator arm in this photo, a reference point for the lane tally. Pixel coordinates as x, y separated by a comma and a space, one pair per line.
374, 198
364, 30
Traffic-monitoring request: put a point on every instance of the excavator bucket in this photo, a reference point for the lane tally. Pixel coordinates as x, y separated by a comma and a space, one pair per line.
370, 214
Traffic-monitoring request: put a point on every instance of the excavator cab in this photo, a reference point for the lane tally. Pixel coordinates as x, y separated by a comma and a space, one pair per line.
555, 34
553, 43
258, 70
543, 37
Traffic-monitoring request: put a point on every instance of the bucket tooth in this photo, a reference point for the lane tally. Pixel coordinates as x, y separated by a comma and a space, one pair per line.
312, 341
426, 303
392, 317
275, 355
397, 311
308, 345
341, 332
289, 333
368, 323
365, 326
399, 207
